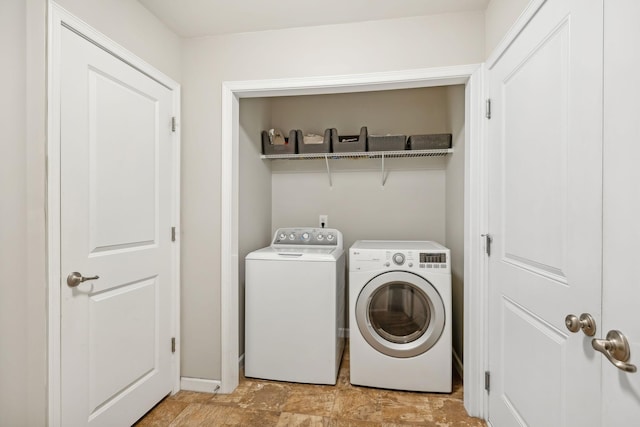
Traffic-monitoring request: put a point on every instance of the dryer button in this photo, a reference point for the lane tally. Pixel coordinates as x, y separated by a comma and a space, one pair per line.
398, 259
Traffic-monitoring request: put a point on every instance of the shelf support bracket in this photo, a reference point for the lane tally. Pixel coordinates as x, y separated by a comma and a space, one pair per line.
383, 180
326, 159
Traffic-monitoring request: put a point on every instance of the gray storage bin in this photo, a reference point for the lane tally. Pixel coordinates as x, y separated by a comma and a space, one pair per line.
288, 148
435, 141
345, 143
387, 142
325, 147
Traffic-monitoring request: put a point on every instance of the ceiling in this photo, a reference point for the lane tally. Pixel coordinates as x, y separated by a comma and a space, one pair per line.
194, 18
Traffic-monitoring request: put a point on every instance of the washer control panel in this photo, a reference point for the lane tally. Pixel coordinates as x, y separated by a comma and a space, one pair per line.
308, 237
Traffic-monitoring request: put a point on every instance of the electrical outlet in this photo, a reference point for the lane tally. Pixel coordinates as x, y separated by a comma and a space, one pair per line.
324, 221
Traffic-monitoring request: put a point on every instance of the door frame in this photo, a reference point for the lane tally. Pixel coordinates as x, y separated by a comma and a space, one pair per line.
472, 76
58, 18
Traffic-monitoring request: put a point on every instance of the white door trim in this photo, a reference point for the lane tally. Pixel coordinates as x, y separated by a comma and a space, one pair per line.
475, 194
58, 18
476, 222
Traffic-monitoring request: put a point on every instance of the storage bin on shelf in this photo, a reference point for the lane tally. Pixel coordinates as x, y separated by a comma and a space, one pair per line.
349, 143
324, 147
386, 142
289, 147
435, 141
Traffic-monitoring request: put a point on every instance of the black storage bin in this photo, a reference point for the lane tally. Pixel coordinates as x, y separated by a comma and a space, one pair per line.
288, 148
387, 142
349, 143
325, 147
435, 141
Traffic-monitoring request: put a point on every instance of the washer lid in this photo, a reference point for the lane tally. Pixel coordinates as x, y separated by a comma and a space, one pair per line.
313, 253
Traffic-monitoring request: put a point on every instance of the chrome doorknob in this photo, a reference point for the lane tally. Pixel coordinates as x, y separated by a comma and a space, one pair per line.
616, 349
586, 322
75, 278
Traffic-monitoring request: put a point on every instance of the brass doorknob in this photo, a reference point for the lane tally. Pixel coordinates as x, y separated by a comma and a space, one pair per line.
586, 322
75, 278
616, 349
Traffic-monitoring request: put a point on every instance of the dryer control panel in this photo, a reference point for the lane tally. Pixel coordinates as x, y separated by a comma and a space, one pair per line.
402, 255
324, 237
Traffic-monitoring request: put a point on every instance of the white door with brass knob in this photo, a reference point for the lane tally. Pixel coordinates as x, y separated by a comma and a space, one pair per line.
545, 218
115, 211
565, 340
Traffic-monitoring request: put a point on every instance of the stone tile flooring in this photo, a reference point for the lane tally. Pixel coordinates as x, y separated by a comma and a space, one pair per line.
263, 403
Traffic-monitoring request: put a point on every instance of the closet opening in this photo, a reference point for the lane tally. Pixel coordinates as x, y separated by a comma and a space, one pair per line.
418, 198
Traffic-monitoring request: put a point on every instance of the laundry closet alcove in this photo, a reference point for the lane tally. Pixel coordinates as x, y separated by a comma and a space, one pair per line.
423, 198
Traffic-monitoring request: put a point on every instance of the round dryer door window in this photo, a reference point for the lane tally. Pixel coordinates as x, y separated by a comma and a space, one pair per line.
400, 314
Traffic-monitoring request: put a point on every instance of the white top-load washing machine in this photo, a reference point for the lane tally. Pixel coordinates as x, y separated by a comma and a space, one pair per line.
295, 307
400, 315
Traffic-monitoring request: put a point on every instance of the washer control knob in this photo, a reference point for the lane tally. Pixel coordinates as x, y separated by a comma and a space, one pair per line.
320, 237
292, 236
387, 264
305, 236
398, 259
330, 237
282, 236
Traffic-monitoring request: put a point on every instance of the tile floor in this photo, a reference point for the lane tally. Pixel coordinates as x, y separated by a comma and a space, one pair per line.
263, 403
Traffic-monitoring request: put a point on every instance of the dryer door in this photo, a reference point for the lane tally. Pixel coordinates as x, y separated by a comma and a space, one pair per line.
400, 314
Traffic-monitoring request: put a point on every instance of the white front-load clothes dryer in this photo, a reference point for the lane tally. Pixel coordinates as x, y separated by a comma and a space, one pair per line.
295, 310
400, 315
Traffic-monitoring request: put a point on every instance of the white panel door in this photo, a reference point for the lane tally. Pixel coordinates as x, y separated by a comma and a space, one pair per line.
545, 183
621, 293
115, 224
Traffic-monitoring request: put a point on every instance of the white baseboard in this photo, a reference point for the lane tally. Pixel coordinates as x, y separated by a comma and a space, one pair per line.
457, 364
202, 385
199, 384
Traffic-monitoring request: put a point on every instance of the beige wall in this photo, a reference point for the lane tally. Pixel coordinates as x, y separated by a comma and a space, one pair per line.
408, 111
254, 198
35, 215
454, 206
409, 206
400, 44
13, 227
499, 17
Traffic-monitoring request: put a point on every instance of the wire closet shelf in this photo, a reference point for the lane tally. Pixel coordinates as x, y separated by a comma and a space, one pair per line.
361, 154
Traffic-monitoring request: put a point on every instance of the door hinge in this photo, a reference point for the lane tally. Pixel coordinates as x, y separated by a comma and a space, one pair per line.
487, 243
173, 234
173, 124
487, 381
173, 345
488, 108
